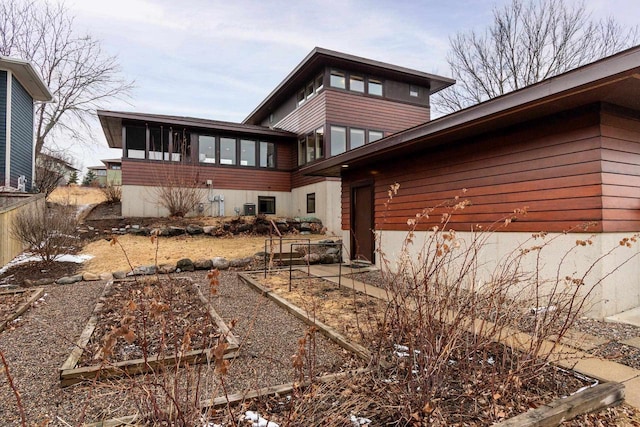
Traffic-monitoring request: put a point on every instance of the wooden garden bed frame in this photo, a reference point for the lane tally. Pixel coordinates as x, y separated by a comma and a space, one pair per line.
70, 374
36, 294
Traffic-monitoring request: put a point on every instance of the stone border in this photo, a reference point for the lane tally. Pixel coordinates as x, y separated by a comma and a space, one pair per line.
37, 293
70, 374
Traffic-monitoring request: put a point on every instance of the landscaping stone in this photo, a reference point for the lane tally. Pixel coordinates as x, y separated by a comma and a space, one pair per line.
90, 277
312, 258
39, 282
166, 268
185, 264
144, 231
176, 231
69, 279
332, 251
220, 263
194, 229
203, 264
305, 226
240, 262
106, 276
119, 275
328, 259
145, 270
209, 229
242, 228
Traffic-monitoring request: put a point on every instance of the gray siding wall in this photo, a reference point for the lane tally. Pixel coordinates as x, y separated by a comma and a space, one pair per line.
3, 124
21, 134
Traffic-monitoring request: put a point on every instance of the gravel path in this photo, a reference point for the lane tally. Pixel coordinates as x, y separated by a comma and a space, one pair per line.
40, 342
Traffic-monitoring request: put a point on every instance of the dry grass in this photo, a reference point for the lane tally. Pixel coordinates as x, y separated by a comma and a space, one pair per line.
74, 195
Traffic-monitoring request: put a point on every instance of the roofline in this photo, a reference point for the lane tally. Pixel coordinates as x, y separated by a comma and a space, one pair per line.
97, 167
28, 78
318, 51
574, 81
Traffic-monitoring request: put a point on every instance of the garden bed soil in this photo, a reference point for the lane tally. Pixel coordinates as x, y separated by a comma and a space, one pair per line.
32, 271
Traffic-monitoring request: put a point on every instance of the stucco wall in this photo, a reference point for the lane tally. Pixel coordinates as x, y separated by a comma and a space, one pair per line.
327, 203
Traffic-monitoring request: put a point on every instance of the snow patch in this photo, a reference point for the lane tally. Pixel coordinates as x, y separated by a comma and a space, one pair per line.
28, 257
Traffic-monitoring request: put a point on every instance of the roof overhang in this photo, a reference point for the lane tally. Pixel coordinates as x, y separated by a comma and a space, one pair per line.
28, 78
614, 80
111, 122
319, 57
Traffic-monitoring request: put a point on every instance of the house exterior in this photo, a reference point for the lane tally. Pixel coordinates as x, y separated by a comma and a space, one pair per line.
20, 87
110, 172
567, 148
57, 167
329, 104
100, 173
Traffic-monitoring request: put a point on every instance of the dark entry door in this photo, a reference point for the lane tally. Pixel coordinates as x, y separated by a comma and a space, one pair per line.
362, 239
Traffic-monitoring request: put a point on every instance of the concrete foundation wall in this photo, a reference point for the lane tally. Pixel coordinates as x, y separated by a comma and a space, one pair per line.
328, 207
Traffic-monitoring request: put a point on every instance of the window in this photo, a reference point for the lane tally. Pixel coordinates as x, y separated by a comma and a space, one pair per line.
311, 147
337, 79
338, 140
319, 82
158, 143
374, 87
266, 205
101, 172
136, 141
115, 167
206, 149
309, 91
414, 91
300, 97
356, 84
356, 138
319, 143
375, 135
267, 154
311, 202
302, 150
247, 152
227, 151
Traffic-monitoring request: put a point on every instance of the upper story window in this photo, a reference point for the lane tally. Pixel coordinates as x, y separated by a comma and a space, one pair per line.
375, 135
301, 98
319, 82
207, 148
374, 87
311, 146
337, 79
309, 92
414, 91
159, 143
136, 141
338, 140
356, 83
344, 138
267, 154
356, 138
115, 167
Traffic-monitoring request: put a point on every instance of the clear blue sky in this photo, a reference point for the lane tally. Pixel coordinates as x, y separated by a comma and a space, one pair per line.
219, 59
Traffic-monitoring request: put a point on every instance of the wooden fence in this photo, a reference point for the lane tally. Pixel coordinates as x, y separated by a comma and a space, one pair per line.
11, 204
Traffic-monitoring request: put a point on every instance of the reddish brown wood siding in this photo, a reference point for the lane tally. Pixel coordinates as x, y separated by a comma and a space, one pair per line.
353, 110
552, 166
307, 117
620, 170
140, 172
300, 180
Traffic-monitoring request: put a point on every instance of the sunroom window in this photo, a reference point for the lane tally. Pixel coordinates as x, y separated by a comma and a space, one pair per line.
227, 151
247, 152
135, 141
207, 148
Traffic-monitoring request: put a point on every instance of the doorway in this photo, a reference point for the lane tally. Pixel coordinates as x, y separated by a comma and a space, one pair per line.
362, 219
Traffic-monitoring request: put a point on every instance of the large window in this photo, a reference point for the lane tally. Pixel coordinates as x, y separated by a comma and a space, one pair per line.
207, 148
227, 151
181, 149
267, 154
247, 152
356, 138
135, 141
338, 140
337, 79
266, 205
311, 147
158, 143
414, 91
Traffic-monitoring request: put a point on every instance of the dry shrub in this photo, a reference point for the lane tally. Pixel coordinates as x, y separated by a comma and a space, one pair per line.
112, 193
48, 231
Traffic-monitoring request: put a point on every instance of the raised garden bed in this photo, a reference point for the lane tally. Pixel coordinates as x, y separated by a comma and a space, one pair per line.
14, 303
139, 325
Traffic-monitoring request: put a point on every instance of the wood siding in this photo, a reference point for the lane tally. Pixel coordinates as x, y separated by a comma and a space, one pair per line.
344, 108
21, 134
299, 180
620, 170
306, 118
142, 172
551, 166
11, 206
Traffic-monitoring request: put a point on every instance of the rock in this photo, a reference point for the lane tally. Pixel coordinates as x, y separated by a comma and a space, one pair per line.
135, 226
312, 258
144, 270
328, 259
166, 268
240, 262
70, 279
261, 254
119, 275
185, 264
106, 276
164, 232
209, 229
203, 264
220, 263
38, 282
194, 229
243, 228
176, 231
90, 277
305, 226
332, 251
140, 231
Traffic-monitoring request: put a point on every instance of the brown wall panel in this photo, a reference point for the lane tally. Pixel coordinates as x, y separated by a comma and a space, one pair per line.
307, 117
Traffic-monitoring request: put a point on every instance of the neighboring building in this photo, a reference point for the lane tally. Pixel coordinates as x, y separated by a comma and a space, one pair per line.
568, 148
330, 103
20, 87
114, 171
57, 167
101, 175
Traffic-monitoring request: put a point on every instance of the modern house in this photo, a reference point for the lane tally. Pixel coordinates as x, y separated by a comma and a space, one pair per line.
567, 148
329, 104
110, 172
20, 87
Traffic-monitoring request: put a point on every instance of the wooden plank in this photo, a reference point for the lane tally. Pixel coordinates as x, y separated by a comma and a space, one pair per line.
36, 294
326, 330
590, 400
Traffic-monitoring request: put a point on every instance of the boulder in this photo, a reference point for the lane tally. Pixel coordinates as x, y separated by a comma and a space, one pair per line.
176, 231
203, 264
185, 264
194, 229
69, 280
240, 262
144, 270
106, 276
328, 259
332, 251
243, 228
166, 268
312, 258
90, 277
220, 263
119, 275
209, 229
38, 282
143, 231
305, 226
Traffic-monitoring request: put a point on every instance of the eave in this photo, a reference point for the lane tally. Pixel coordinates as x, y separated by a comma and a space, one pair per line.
614, 80
28, 78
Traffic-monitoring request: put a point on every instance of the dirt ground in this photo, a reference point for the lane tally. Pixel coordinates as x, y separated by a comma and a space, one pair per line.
75, 195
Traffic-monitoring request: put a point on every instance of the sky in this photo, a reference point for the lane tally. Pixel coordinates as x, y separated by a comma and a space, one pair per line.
219, 59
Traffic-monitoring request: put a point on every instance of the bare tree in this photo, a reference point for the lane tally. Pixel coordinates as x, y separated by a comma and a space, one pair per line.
528, 41
51, 170
79, 74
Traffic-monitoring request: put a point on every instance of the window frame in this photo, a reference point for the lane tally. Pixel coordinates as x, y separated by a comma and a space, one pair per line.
220, 148
274, 158
375, 81
266, 199
215, 150
361, 81
311, 203
338, 74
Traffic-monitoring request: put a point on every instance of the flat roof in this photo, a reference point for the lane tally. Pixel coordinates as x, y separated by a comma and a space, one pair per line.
111, 122
28, 78
320, 57
614, 79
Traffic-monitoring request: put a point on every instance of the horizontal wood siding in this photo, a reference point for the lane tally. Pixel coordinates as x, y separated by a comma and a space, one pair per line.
300, 180
353, 110
551, 166
306, 118
620, 170
141, 172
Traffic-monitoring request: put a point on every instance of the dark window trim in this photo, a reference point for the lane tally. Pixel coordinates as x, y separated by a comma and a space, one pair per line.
269, 199
311, 203
327, 141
